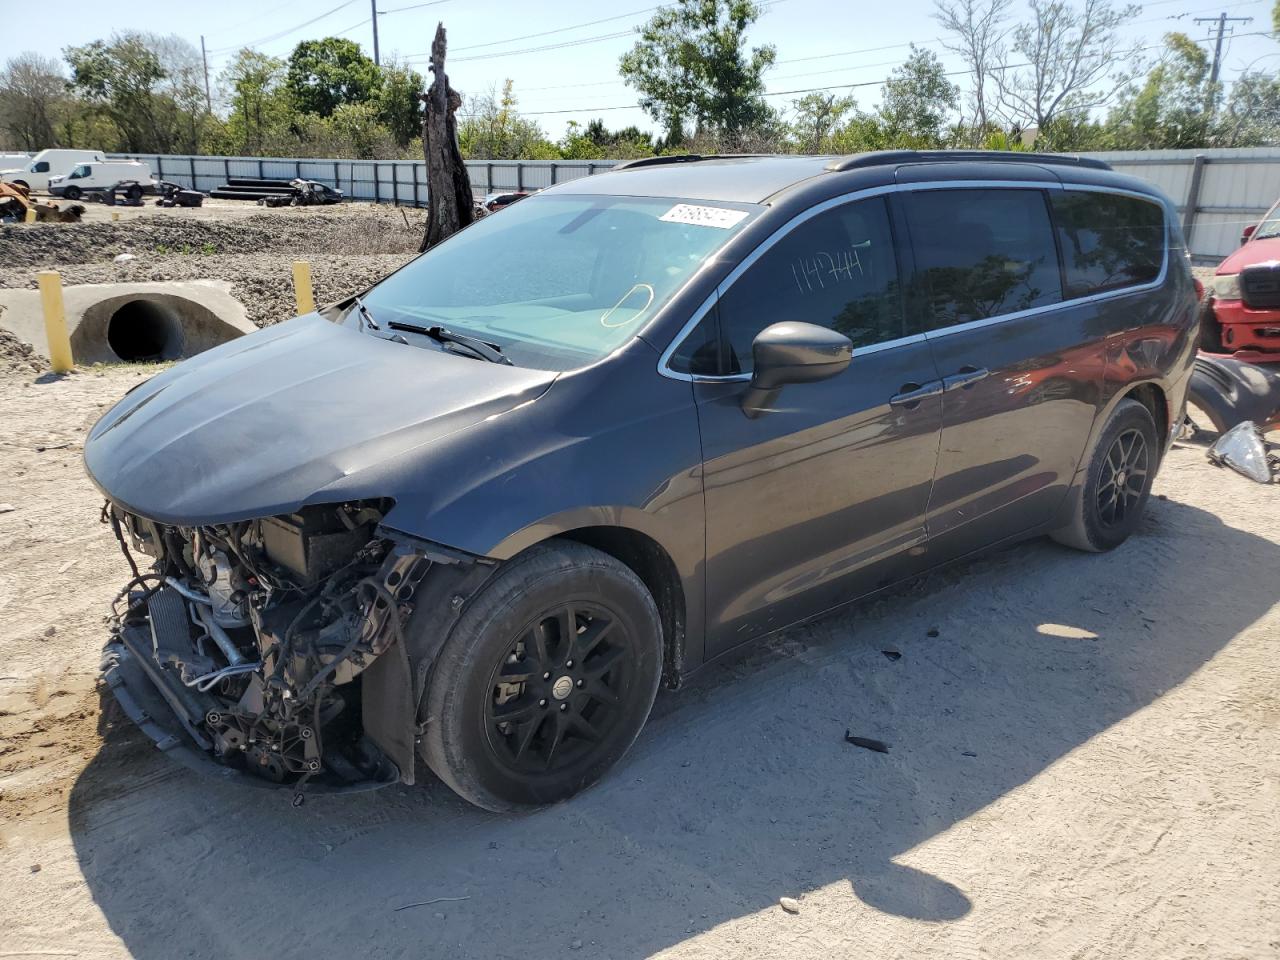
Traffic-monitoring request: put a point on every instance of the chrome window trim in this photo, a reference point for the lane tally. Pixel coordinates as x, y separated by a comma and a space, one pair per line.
765, 245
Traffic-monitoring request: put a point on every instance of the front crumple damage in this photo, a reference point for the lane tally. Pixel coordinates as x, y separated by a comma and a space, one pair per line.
276, 647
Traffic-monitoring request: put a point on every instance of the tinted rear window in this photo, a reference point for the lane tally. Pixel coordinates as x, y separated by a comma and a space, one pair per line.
982, 253
1108, 241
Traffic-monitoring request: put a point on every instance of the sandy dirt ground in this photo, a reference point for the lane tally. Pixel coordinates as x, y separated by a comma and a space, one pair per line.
1082, 763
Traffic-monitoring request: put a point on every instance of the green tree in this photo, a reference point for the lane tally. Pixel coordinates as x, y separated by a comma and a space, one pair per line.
1251, 117
33, 93
260, 109
916, 101
148, 86
817, 115
400, 103
492, 129
691, 65
1168, 111
324, 74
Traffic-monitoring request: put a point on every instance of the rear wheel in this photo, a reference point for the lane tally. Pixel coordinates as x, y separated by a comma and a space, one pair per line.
545, 681
1109, 504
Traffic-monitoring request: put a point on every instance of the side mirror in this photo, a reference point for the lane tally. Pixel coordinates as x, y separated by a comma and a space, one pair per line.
785, 353
1247, 232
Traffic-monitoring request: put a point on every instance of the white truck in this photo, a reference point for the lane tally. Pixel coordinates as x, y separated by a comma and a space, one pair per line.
102, 176
35, 175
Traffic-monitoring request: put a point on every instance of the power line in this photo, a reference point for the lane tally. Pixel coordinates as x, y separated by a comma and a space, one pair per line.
284, 33
564, 43
547, 33
838, 86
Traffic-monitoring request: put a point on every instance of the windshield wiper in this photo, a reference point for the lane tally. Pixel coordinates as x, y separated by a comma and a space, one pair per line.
366, 318
481, 348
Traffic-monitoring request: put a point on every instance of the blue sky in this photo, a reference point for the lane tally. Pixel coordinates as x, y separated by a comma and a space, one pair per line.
571, 74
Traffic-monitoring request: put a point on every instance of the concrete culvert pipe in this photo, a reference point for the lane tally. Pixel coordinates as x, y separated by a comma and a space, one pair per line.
141, 330
133, 322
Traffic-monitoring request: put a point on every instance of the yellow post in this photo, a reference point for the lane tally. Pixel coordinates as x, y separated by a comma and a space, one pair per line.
30, 216
115, 216
55, 320
302, 287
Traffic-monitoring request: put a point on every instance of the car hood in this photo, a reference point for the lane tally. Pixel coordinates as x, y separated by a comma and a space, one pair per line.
303, 412
1255, 251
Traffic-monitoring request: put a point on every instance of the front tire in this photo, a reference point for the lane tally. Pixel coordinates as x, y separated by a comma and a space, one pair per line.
71, 193
1109, 504
545, 681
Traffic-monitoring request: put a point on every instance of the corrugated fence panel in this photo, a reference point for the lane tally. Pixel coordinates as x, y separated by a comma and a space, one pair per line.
1235, 186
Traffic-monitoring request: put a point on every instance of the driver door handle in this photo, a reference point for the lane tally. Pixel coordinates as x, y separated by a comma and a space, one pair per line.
909, 395
964, 378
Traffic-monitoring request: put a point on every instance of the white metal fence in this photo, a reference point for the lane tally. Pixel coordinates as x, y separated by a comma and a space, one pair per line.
1218, 192
382, 181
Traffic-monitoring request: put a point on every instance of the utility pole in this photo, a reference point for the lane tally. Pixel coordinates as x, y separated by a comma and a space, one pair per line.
208, 100
1221, 20
377, 60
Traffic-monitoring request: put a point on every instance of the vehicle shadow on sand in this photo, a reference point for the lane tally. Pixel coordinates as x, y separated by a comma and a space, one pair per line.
741, 789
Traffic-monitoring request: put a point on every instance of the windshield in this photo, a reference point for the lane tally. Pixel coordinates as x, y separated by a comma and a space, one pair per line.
557, 282
1270, 226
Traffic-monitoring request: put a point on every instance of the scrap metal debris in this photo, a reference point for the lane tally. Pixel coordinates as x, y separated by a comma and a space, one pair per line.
305, 193
15, 201
893, 655
879, 746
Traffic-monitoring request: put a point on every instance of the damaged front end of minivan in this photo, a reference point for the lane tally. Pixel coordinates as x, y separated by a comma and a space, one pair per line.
277, 644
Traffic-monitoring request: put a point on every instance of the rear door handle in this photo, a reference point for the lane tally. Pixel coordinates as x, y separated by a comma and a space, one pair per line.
909, 395
964, 378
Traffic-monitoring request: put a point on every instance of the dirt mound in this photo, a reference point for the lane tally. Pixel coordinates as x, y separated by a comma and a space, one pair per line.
263, 282
288, 231
17, 355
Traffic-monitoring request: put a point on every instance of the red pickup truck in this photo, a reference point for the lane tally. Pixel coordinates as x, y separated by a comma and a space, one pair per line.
1242, 314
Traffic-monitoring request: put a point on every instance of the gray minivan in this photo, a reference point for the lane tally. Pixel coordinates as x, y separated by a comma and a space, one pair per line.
478, 513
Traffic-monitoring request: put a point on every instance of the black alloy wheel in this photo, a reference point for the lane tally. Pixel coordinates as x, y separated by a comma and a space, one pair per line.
1123, 482
545, 680
559, 690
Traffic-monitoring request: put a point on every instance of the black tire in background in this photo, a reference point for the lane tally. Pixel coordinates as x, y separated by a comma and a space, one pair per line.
546, 679
134, 192
1210, 328
1109, 505
71, 193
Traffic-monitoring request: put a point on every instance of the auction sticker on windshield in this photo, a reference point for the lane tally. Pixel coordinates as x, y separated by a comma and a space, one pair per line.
703, 216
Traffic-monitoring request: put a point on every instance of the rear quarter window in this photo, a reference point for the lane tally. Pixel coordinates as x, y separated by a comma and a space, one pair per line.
1109, 241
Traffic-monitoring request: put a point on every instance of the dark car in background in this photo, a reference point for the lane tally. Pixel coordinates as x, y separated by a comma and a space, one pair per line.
479, 513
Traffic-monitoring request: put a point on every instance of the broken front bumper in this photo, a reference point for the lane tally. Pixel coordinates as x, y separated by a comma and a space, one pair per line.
174, 715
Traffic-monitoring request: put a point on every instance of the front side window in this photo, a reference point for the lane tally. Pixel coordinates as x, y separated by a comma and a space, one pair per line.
981, 253
837, 270
559, 281
1109, 241
79, 173
41, 167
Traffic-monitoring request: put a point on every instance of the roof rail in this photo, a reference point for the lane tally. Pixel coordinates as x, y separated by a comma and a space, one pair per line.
880, 158
682, 158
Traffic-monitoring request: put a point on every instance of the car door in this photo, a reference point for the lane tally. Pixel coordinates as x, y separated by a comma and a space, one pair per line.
1022, 370
821, 498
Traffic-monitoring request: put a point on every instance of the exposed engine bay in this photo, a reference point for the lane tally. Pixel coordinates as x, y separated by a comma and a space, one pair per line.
257, 635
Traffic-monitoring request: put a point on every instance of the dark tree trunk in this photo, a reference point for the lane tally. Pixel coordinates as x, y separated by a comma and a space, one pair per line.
449, 202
